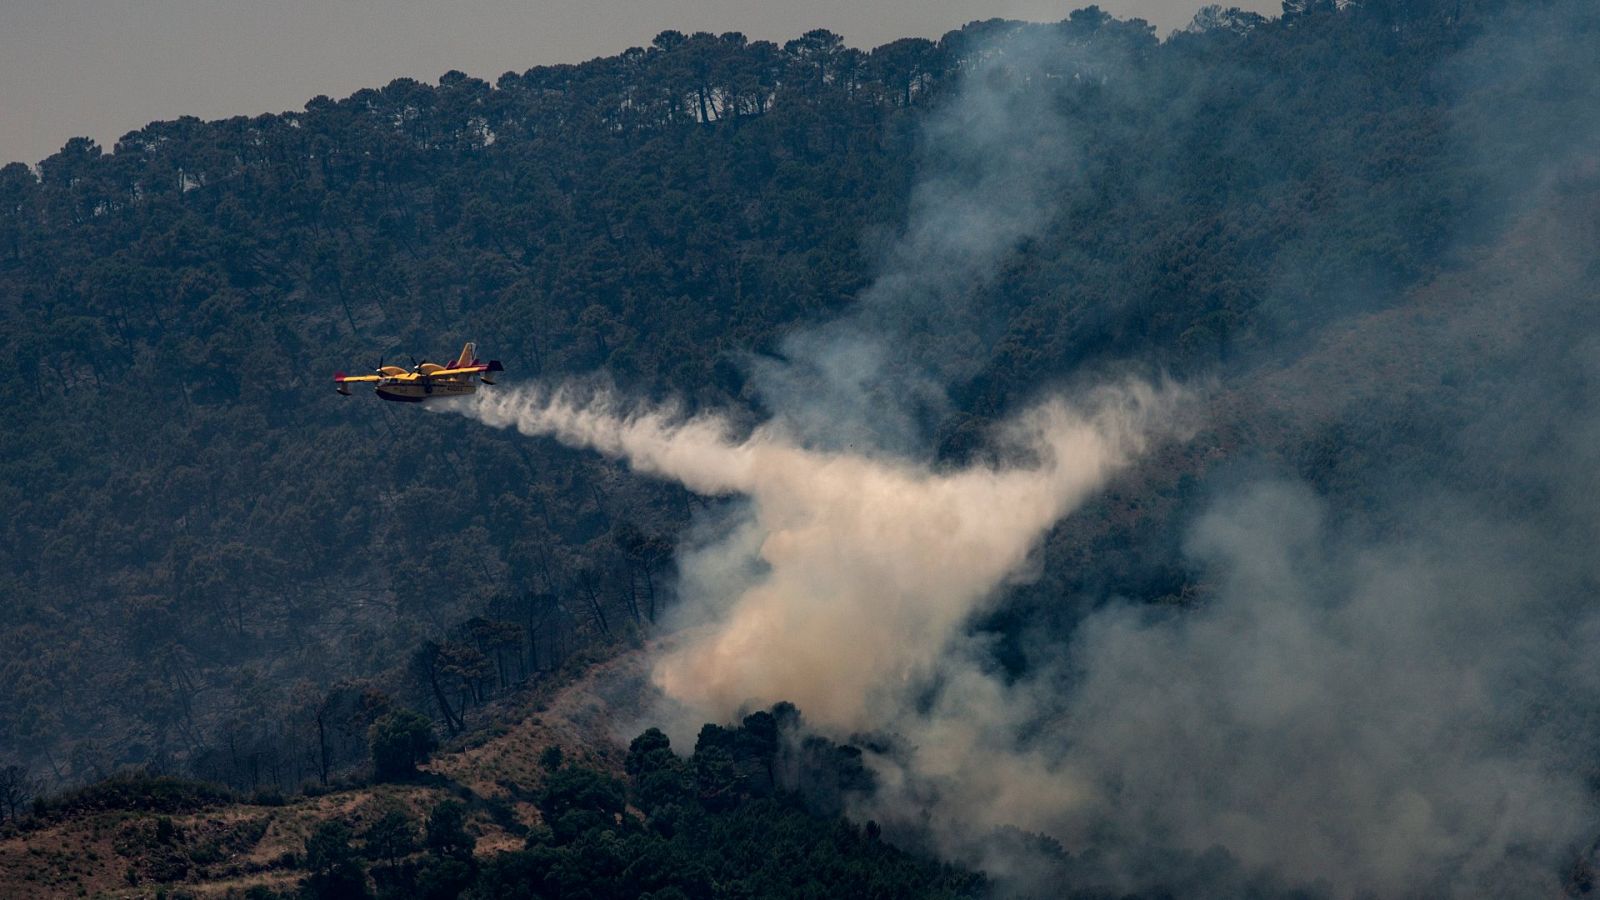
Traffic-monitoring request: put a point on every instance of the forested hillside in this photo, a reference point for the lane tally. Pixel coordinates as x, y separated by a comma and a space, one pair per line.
214, 565
746, 811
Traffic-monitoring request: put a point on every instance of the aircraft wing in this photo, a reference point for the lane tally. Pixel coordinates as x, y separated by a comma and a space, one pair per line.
342, 378
491, 366
464, 370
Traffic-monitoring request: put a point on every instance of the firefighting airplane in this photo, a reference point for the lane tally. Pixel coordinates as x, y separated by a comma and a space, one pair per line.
428, 380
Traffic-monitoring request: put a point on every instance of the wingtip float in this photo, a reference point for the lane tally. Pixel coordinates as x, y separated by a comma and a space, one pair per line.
426, 380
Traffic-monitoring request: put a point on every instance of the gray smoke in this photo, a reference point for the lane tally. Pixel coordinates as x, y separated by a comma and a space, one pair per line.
1411, 717
1401, 718
1388, 692
840, 583
1384, 698
993, 162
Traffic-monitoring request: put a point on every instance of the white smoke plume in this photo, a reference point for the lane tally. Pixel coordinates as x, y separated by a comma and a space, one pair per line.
844, 581
1404, 716
865, 566
993, 161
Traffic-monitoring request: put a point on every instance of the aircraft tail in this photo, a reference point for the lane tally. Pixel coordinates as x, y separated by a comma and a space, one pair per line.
469, 355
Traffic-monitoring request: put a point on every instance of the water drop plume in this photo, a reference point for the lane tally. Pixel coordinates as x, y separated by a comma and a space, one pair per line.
864, 565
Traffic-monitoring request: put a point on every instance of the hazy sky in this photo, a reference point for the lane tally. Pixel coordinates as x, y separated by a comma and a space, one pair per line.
102, 68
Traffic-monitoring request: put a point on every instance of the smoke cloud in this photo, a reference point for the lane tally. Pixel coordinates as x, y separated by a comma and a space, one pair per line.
845, 568
848, 573
993, 163
1391, 700
1402, 718
845, 573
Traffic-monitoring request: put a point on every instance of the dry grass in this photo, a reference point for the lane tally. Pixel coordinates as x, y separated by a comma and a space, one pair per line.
226, 850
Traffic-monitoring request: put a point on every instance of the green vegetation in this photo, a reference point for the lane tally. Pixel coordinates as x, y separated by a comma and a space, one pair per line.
137, 791
400, 742
214, 566
719, 823
714, 825
197, 523
390, 838
336, 873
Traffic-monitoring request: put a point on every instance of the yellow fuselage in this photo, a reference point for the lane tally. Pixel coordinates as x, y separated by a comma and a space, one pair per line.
416, 390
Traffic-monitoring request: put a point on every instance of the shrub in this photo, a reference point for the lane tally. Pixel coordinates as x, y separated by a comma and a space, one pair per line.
400, 741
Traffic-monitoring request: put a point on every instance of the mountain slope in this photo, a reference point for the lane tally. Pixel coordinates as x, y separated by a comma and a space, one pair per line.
206, 546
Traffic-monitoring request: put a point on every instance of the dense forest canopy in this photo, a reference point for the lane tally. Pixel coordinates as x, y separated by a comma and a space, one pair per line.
213, 565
